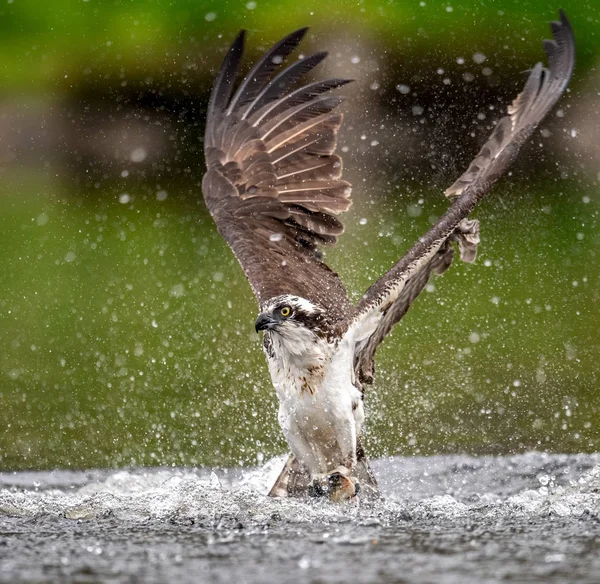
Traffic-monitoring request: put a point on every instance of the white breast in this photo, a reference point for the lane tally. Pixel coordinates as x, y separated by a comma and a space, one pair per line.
320, 410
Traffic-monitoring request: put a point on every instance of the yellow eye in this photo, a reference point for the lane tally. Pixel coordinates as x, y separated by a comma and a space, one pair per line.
285, 311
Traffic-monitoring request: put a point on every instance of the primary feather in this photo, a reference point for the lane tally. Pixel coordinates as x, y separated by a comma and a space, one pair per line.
273, 183
389, 298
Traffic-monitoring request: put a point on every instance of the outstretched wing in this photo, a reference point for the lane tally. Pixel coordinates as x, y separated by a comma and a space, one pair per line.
386, 302
378, 325
273, 181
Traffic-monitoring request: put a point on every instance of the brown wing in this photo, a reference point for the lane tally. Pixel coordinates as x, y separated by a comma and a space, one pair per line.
386, 302
273, 181
467, 237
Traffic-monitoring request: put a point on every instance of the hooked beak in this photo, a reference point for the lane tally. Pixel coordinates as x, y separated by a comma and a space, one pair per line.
263, 322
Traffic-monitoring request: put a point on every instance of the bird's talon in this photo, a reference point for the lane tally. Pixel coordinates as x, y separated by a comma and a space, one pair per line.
342, 487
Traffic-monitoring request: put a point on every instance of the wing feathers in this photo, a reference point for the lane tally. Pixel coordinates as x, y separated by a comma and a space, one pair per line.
224, 84
318, 138
298, 120
389, 298
263, 69
295, 98
277, 87
273, 182
541, 91
307, 167
316, 185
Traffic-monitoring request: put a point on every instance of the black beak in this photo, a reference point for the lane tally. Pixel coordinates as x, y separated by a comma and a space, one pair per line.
264, 321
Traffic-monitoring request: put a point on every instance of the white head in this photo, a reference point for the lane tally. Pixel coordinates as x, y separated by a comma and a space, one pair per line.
297, 323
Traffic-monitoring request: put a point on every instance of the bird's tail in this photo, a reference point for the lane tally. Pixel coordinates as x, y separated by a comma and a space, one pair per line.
293, 480
369, 489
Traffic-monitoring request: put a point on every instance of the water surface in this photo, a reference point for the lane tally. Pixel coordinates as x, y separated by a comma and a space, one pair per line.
450, 519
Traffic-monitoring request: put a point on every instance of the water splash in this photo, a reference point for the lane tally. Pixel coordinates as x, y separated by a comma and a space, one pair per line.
458, 516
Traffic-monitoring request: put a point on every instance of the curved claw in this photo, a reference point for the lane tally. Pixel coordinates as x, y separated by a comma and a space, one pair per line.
337, 485
342, 487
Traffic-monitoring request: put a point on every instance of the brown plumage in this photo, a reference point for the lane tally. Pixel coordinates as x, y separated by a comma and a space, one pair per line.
390, 297
273, 181
273, 186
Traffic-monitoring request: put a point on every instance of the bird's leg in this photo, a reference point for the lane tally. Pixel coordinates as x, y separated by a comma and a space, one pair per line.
339, 484
343, 485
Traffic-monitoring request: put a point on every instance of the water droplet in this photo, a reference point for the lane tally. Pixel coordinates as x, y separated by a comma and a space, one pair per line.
554, 558
178, 290
414, 210
138, 155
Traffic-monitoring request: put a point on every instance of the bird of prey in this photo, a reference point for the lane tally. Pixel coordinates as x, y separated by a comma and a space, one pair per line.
274, 190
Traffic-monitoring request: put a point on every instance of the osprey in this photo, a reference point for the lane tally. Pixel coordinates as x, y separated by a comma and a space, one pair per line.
274, 190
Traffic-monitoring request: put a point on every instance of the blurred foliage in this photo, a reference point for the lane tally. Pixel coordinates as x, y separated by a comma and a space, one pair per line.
126, 326
127, 332
66, 41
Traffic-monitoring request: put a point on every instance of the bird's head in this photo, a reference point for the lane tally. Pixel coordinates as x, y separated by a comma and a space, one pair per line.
293, 318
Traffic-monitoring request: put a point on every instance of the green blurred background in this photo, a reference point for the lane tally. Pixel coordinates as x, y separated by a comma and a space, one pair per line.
126, 327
